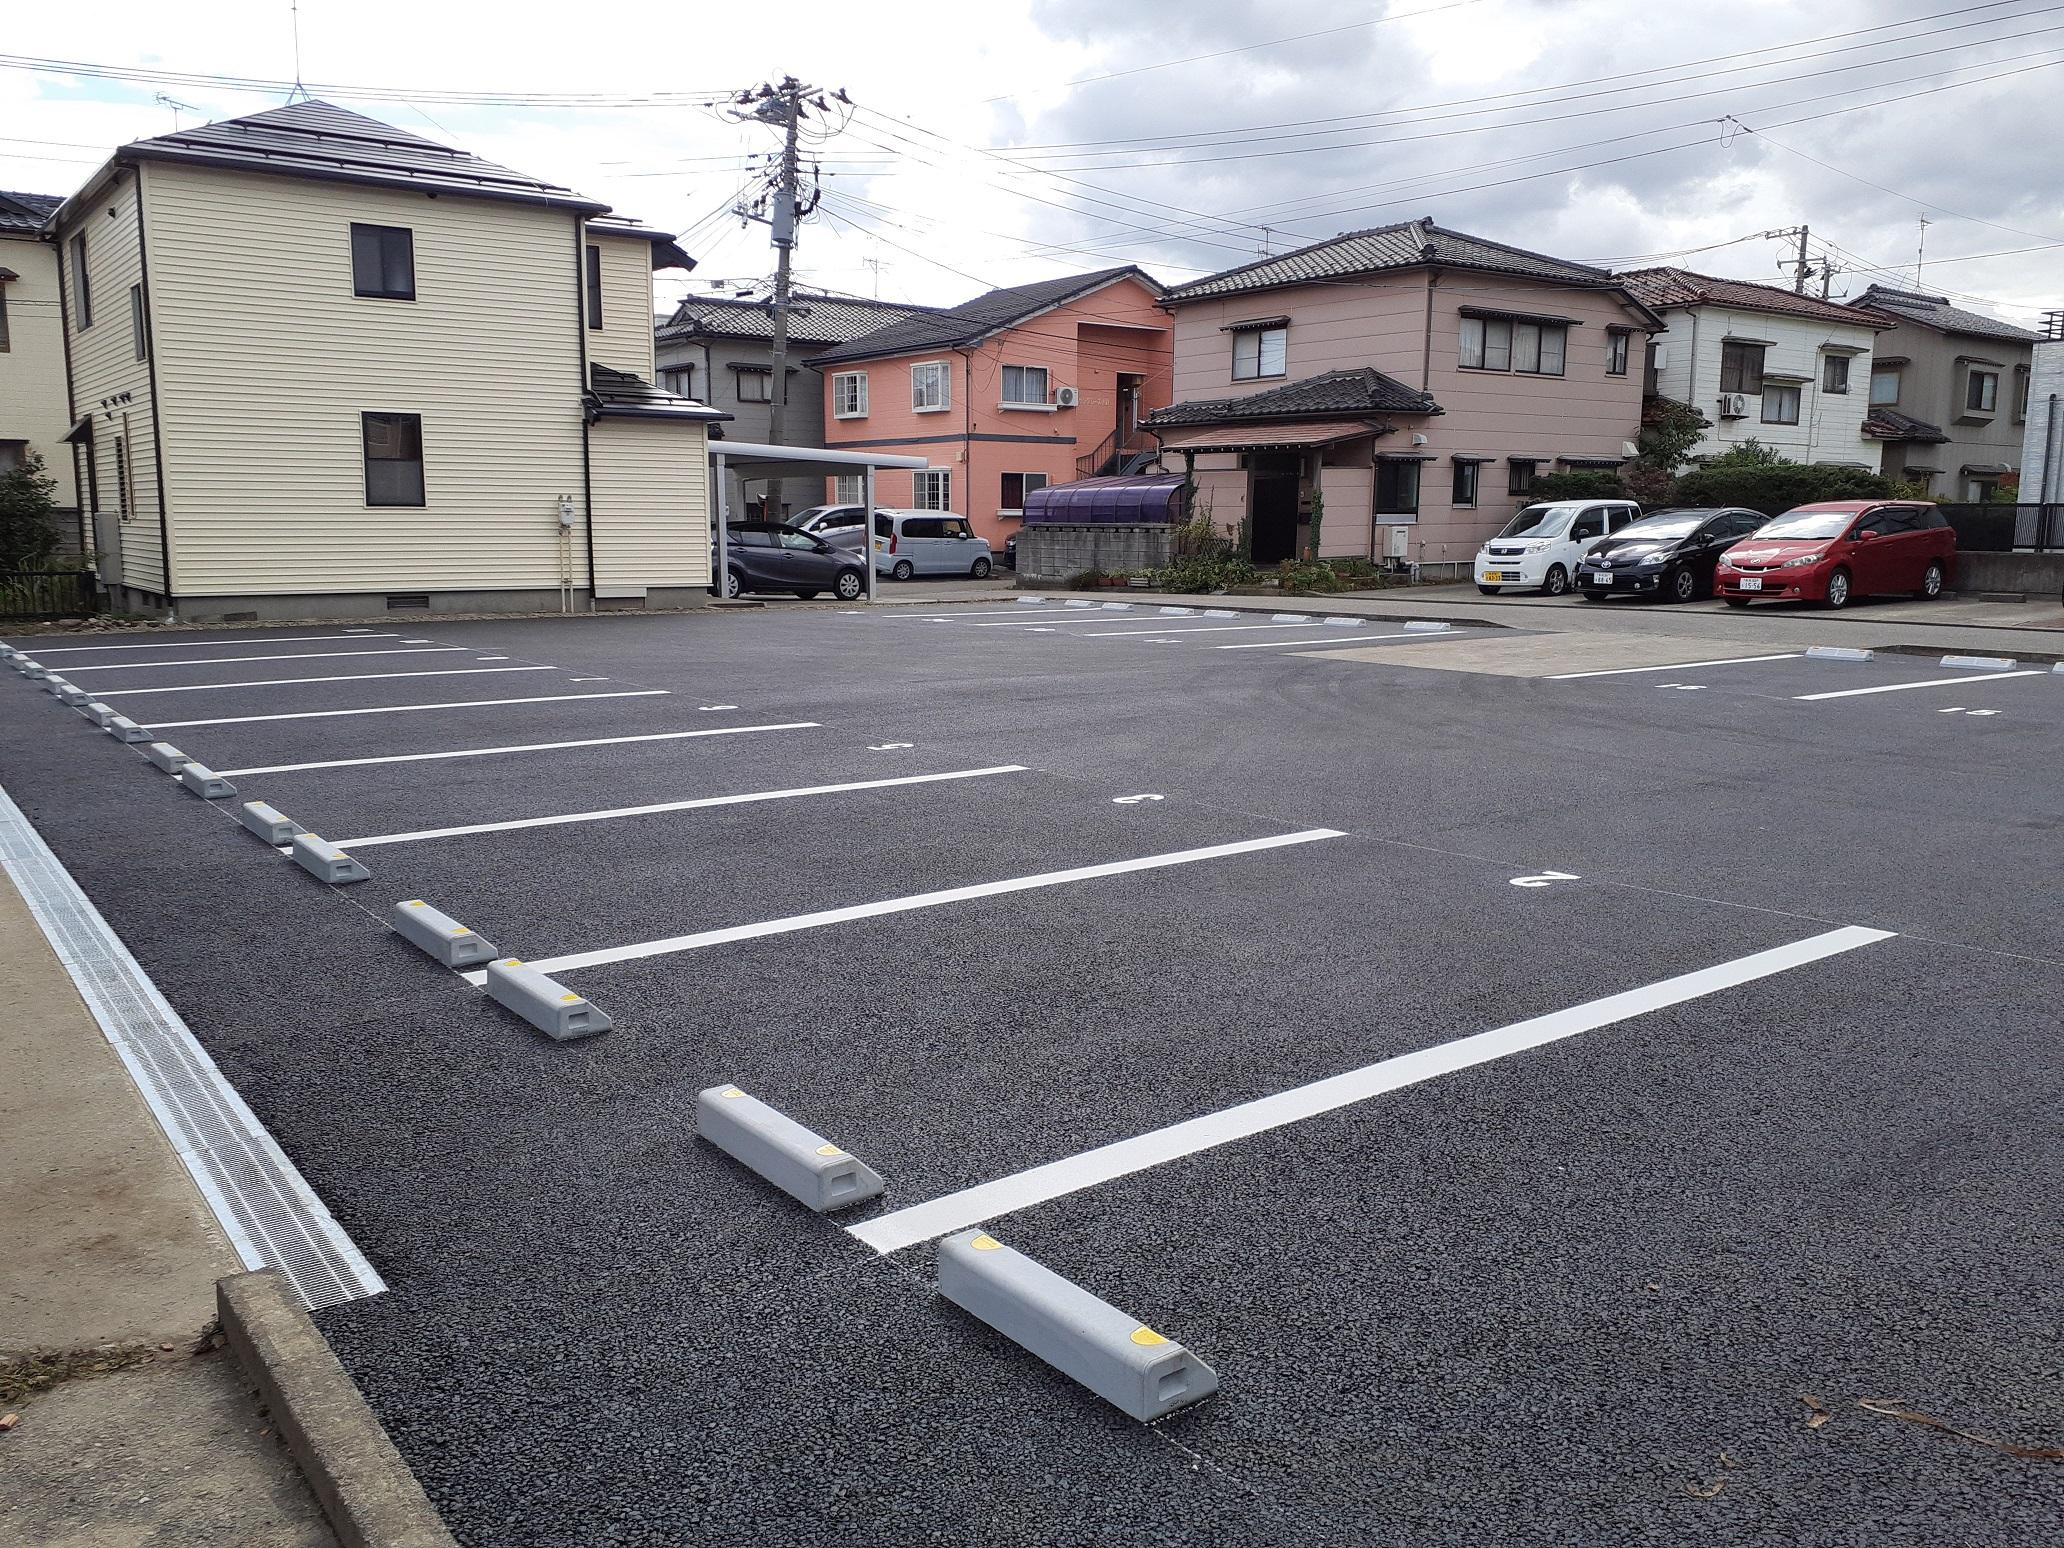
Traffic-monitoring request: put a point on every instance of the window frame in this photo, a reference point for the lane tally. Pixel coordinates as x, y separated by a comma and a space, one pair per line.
1501, 343
943, 370
841, 379
82, 282
1617, 349
678, 379
2023, 376
1828, 373
1280, 332
139, 320
1004, 398
923, 481
1981, 376
1773, 398
1399, 471
1467, 485
377, 289
6, 337
591, 284
1742, 360
1896, 375
1517, 483
740, 376
859, 494
1005, 507
367, 459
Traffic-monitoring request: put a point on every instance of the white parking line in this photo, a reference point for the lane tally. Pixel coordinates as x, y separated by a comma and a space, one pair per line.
284, 639
986, 1201
295, 655
1968, 680
934, 617
1102, 634
348, 677
697, 804
1676, 666
485, 752
407, 709
832, 916
1345, 637
1049, 616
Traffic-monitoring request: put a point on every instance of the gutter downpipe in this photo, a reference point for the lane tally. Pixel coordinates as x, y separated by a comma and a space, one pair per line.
157, 435
580, 328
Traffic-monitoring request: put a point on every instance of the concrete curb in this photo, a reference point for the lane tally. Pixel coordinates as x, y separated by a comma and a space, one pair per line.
367, 1491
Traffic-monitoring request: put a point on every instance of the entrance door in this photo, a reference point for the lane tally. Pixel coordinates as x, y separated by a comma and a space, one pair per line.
1272, 504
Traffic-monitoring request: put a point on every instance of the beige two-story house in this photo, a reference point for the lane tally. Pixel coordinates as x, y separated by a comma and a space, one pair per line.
1405, 385
323, 366
33, 416
1948, 393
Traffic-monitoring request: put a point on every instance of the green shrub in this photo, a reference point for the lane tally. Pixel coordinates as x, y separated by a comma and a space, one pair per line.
1774, 488
1204, 572
1082, 580
1578, 484
1330, 575
29, 537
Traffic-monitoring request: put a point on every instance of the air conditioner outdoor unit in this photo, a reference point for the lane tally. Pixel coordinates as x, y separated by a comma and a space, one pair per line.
1066, 397
1396, 542
1734, 405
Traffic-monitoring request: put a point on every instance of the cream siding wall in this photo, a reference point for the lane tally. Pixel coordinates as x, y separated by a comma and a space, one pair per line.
266, 361
32, 380
1343, 327
652, 525
113, 386
1830, 427
624, 341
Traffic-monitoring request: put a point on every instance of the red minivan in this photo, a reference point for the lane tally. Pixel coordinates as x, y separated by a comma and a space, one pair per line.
1838, 550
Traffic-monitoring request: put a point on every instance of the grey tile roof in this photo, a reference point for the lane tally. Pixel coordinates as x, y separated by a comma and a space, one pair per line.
617, 394
1665, 286
961, 325
26, 212
1888, 424
315, 139
1363, 391
1936, 312
819, 318
1406, 245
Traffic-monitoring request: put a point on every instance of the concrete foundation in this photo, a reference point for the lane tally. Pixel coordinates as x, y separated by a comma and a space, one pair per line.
398, 604
1053, 551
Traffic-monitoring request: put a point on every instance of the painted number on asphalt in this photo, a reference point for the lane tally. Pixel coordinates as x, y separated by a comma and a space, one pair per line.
1683, 687
888, 746
1134, 800
1544, 879
716, 706
1958, 709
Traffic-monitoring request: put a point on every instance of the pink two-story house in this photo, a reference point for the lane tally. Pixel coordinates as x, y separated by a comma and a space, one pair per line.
1410, 382
1017, 389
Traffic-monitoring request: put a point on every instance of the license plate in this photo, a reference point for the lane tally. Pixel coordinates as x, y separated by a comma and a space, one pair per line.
1599, 580
1498, 575
1752, 583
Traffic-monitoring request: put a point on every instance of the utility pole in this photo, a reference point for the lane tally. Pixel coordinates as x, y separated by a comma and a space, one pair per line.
1801, 268
782, 206
1921, 250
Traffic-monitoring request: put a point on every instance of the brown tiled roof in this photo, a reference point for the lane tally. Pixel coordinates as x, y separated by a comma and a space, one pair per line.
24, 213
1252, 437
815, 319
1886, 424
1668, 287
1361, 391
1936, 312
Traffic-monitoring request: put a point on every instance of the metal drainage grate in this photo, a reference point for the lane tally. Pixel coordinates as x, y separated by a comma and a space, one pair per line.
266, 1208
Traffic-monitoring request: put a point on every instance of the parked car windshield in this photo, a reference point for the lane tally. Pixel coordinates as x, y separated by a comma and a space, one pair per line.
1537, 521
1661, 527
1807, 524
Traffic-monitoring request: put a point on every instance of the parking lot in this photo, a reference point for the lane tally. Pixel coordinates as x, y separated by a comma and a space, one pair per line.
1554, 1078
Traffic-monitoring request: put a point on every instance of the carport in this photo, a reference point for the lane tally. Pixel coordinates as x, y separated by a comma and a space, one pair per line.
779, 462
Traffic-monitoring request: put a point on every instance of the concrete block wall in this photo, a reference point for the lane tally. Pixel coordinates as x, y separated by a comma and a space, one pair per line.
2042, 448
1049, 552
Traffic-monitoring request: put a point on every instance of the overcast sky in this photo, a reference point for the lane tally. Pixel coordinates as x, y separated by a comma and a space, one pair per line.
997, 143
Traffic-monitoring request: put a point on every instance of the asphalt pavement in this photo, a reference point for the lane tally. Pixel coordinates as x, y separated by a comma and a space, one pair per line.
1738, 964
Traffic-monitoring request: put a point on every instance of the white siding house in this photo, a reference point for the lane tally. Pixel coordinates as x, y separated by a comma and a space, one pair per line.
1788, 371
34, 415
362, 371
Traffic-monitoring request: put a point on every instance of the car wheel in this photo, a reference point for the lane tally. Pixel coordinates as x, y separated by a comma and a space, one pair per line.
1557, 582
734, 583
980, 569
1838, 589
1683, 585
1489, 591
1736, 601
1931, 581
807, 596
902, 570
848, 586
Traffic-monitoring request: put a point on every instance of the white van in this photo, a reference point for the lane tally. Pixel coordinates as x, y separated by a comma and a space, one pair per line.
908, 543
1540, 547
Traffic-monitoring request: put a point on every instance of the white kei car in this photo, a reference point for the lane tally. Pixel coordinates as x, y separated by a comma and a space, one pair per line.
1540, 547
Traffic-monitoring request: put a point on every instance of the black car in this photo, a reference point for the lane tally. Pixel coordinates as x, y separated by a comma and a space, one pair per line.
773, 556
1670, 554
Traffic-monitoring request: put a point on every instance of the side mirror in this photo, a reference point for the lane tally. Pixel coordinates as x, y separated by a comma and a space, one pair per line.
1868, 532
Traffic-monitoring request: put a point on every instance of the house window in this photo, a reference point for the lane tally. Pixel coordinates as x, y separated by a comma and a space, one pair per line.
1519, 477
931, 489
1741, 367
121, 478
754, 386
846, 490
12, 455
1885, 384
849, 395
1486, 344
92, 479
1502, 344
1466, 474
1016, 486
594, 286
1616, 354
1260, 352
679, 380
139, 322
383, 262
1834, 374
1538, 347
930, 389
1981, 393
82, 287
393, 458
1397, 487
2021, 374
5, 345
1024, 386
1780, 405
